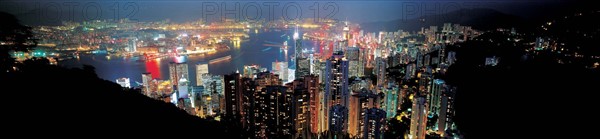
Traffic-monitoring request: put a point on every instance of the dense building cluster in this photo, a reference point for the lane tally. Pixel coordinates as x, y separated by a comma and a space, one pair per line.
350, 91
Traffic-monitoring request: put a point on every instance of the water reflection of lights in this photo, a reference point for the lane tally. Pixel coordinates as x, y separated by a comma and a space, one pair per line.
153, 66
236, 43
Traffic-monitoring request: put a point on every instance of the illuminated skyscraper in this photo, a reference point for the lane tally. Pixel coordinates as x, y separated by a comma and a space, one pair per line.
196, 99
302, 62
374, 123
380, 65
446, 114
340, 46
182, 97
437, 90
419, 60
302, 67
353, 115
265, 79
249, 92
201, 69
177, 71
281, 69
362, 100
336, 77
355, 64
146, 82
182, 88
319, 69
391, 99
312, 84
425, 81
233, 95
323, 112
298, 44
338, 119
336, 91
213, 91
124, 82
346, 32
299, 107
418, 118
251, 70
272, 112
132, 44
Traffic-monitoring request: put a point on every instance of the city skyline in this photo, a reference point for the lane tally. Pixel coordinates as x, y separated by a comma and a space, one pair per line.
474, 72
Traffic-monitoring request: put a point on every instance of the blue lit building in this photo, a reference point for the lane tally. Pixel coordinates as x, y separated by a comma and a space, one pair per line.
196, 94
437, 89
391, 99
336, 80
375, 123
338, 117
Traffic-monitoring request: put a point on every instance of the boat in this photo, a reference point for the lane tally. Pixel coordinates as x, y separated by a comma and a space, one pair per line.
221, 59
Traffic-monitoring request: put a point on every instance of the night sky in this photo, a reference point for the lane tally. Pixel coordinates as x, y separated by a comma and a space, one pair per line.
53, 12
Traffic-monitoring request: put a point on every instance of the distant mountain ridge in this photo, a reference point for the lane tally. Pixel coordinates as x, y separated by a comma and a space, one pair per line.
478, 18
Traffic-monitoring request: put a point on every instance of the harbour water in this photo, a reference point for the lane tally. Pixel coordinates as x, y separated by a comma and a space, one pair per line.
258, 49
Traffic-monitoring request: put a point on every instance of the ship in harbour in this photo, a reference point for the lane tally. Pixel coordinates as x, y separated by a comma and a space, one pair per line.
221, 59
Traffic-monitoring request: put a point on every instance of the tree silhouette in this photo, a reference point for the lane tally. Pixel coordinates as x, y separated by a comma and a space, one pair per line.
13, 37
515, 89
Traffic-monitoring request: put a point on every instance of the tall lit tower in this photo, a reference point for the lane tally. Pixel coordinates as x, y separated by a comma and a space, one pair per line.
312, 84
341, 45
233, 94
336, 80
435, 96
356, 66
182, 88
302, 62
132, 44
201, 69
374, 123
178, 70
346, 33
338, 119
146, 82
298, 40
418, 118
336, 96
